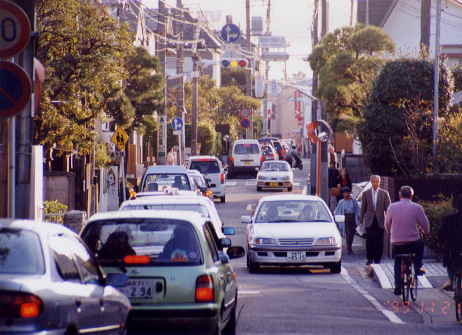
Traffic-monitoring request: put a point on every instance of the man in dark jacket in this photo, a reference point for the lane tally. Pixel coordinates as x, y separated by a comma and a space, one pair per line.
451, 237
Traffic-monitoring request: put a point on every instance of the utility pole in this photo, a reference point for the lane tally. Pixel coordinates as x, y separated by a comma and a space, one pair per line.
436, 104
314, 103
179, 72
195, 91
425, 23
367, 13
266, 124
162, 54
249, 49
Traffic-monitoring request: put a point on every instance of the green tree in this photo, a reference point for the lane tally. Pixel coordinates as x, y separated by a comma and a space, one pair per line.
348, 60
397, 129
84, 52
457, 73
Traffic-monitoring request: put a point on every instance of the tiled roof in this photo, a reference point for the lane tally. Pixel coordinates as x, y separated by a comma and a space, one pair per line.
378, 9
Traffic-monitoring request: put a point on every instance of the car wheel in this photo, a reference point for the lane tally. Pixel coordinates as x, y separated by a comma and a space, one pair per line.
289, 189
223, 199
251, 266
230, 328
258, 189
335, 267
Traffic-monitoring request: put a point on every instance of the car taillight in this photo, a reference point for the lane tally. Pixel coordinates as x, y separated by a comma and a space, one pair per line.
20, 305
231, 160
262, 158
222, 178
137, 259
204, 289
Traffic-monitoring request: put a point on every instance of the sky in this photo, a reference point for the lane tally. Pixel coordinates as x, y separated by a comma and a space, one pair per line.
289, 18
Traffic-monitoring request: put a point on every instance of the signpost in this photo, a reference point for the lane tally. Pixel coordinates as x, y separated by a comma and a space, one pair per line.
15, 29
230, 33
245, 123
15, 89
120, 139
177, 124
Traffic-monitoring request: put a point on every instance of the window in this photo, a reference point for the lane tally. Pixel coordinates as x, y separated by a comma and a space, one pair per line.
275, 166
166, 242
23, 245
292, 211
211, 242
198, 208
87, 266
64, 258
156, 182
205, 167
246, 148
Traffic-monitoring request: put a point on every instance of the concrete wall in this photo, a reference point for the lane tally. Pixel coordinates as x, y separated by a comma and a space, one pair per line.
60, 186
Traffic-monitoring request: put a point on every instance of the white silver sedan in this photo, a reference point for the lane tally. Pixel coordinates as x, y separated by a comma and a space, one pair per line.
292, 230
275, 175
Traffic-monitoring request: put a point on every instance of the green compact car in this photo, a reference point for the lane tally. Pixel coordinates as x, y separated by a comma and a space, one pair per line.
178, 273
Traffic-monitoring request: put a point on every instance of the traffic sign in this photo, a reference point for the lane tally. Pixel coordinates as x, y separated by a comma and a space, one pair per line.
245, 123
15, 29
120, 139
230, 33
15, 89
177, 123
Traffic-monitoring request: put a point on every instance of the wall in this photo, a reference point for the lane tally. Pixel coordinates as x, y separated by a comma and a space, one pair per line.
60, 186
406, 17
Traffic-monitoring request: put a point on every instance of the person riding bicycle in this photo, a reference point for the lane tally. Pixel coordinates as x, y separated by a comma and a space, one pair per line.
450, 235
402, 222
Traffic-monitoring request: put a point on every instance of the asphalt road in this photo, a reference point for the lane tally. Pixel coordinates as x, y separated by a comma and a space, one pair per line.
314, 301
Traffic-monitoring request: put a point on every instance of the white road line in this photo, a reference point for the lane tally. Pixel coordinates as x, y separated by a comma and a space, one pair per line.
249, 292
388, 314
381, 276
231, 183
424, 282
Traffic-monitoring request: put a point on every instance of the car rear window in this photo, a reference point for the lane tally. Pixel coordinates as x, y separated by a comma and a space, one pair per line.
246, 148
292, 211
157, 182
20, 252
165, 242
275, 166
204, 167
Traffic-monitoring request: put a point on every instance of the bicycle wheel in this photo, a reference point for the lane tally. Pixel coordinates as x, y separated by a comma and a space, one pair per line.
458, 296
413, 284
405, 281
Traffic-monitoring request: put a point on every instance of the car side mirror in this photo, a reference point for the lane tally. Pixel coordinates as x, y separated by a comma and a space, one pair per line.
229, 231
340, 218
225, 242
246, 219
117, 279
224, 258
235, 252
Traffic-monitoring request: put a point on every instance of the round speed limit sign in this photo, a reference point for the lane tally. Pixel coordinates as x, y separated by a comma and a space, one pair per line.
15, 29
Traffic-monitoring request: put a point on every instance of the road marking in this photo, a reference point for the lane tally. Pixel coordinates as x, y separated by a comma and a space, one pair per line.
249, 292
381, 276
388, 314
424, 282
231, 183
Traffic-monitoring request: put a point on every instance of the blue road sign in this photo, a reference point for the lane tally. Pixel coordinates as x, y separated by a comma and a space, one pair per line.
245, 123
15, 89
230, 33
177, 123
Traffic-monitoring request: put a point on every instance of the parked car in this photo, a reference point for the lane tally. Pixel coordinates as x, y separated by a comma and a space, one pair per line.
201, 205
51, 284
275, 175
178, 272
213, 171
201, 185
156, 178
292, 230
246, 156
269, 153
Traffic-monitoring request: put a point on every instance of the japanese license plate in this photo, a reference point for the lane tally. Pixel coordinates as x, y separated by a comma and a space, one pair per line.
274, 184
247, 163
139, 288
296, 256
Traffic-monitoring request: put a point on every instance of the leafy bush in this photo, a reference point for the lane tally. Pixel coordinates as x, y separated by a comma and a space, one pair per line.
436, 211
54, 211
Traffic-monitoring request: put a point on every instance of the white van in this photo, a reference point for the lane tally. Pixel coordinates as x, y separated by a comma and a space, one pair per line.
212, 169
246, 156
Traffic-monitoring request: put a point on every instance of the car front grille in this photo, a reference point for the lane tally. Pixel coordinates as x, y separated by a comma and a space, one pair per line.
296, 242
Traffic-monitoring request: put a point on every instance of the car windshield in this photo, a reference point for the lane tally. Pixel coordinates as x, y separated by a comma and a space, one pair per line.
157, 182
199, 181
292, 211
165, 242
204, 167
246, 148
198, 208
20, 252
274, 166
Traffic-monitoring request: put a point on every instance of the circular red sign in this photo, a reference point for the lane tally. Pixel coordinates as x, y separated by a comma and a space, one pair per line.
15, 89
15, 29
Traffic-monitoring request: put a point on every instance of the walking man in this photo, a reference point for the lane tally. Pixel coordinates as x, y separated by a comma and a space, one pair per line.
404, 221
374, 204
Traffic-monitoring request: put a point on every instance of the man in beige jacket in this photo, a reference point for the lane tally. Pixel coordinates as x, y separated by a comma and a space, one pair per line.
374, 204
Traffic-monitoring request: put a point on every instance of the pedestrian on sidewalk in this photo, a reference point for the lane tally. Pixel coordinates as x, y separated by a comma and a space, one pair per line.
343, 181
450, 235
333, 182
374, 204
402, 221
350, 209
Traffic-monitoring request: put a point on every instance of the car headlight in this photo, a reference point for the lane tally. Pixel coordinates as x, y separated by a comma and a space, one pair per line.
264, 241
326, 241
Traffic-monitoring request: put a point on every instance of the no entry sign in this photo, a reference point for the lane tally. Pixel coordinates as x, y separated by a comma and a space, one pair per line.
15, 29
15, 89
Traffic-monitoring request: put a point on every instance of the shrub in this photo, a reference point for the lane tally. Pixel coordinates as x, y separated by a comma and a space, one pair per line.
436, 210
54, 211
